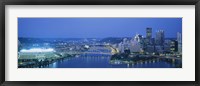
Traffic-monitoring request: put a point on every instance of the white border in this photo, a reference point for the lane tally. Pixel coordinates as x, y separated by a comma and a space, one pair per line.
187, 73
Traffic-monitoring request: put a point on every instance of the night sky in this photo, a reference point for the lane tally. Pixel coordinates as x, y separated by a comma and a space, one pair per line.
95, 27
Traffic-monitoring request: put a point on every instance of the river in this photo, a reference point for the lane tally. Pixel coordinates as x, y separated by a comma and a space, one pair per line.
92, 60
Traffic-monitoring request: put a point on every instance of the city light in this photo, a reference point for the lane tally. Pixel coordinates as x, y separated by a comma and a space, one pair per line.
37, 50
129, 45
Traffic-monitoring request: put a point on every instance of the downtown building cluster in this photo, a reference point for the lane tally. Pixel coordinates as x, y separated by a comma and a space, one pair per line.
149, 45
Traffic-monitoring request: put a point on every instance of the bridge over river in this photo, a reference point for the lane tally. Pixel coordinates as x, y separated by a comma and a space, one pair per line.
101, 50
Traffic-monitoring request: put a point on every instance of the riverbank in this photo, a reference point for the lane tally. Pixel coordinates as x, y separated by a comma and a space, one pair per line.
36, 63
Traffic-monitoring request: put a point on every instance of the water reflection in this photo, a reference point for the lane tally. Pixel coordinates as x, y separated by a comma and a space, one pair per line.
103, 61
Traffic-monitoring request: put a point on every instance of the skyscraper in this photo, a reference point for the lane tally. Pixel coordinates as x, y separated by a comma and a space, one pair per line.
148, 35
160, 37
179, 39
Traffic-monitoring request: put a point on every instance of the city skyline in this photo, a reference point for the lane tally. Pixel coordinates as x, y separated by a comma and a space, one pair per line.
125, 43
96, 27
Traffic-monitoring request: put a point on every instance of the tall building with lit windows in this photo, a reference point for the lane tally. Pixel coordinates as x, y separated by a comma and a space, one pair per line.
148, 35
174, 46
179, 39
160, 37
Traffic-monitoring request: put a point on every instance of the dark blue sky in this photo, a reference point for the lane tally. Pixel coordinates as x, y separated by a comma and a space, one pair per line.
95, 27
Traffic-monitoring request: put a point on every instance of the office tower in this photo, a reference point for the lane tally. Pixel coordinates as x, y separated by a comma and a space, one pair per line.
179, 39
135, 46
160, 37
148, 35
174, 46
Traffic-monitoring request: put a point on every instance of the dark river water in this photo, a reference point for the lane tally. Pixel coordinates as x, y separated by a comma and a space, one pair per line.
99, 61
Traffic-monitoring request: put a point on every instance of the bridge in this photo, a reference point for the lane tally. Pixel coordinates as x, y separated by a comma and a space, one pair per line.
103, 50
103, 53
